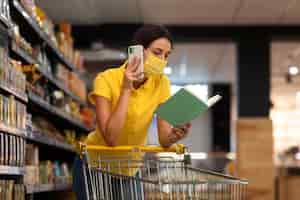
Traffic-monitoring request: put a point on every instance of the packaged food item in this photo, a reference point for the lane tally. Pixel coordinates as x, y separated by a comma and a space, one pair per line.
30, 7
62, 74
12, 111
32, 74
5, 111
46, 24
57, 98
2, 149
65, 28
19, 40
31, 175
78, 61
16, 33
1, 108
5, 12
10, 190
14, 77
77, 86
66, 45
75, 109
32, 155
56, 169
88, 117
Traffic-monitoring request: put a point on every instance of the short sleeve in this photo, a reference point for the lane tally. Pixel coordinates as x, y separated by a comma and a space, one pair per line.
165, 90
101, 88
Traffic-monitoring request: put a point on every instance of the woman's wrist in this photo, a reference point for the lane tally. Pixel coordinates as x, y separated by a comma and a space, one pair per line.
126, 90
172, 138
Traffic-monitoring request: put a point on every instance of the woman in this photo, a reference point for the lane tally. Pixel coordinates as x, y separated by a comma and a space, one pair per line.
125, 104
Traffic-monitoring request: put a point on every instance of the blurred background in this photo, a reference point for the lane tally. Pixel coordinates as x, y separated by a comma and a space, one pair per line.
248, 51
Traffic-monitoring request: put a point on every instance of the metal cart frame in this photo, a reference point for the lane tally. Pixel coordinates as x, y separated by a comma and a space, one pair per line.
134, 176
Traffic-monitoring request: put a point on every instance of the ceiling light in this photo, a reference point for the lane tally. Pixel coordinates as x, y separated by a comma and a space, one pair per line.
168, 70
123, 56
293, 70
198, 155
231, 156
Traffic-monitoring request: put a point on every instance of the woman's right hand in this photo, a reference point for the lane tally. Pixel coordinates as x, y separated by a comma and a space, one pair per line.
131, 73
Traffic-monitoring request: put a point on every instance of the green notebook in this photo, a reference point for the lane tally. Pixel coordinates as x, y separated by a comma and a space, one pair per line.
184, 106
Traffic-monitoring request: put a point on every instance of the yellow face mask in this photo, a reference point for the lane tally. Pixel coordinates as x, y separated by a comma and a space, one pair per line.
154, 65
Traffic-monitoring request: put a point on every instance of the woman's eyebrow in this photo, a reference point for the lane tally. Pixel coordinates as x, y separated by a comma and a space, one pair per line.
157, 48
160, 49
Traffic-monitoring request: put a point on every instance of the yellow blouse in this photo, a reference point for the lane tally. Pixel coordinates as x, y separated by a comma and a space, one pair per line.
142, 104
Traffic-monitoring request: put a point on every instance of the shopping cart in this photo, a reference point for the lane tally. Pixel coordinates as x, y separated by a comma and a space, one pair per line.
134, 175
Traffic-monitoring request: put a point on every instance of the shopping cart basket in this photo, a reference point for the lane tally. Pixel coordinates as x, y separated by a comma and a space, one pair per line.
106, 176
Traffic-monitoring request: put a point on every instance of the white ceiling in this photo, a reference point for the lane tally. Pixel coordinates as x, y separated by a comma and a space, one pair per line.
206, 62
179, 12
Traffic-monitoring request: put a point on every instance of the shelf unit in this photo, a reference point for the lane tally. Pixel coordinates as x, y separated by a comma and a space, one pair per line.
11, 130
11, 170
31, 189
4, 21
24, 55
43, 36
39, 137
35, 35
7, 89
45, 106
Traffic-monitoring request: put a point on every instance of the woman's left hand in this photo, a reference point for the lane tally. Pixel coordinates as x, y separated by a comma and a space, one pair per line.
179, 132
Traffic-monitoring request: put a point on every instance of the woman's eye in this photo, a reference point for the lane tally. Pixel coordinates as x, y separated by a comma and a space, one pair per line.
156, 53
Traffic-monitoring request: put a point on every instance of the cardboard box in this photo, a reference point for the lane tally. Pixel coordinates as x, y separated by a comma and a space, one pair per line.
255, 157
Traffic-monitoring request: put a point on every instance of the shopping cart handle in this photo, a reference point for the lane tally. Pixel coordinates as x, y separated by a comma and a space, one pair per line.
176, 148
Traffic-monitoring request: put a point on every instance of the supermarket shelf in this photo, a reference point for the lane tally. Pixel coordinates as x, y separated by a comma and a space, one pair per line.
15, 131
23, 54
68, 92
11, 170
36, 100
30, 189
22, 97
39, 137
34, 25
6, 22
61, 86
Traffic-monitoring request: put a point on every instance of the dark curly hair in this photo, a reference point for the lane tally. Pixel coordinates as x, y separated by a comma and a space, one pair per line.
149, 33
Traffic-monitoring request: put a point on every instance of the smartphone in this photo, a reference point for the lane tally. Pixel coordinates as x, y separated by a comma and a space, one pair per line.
137, 51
